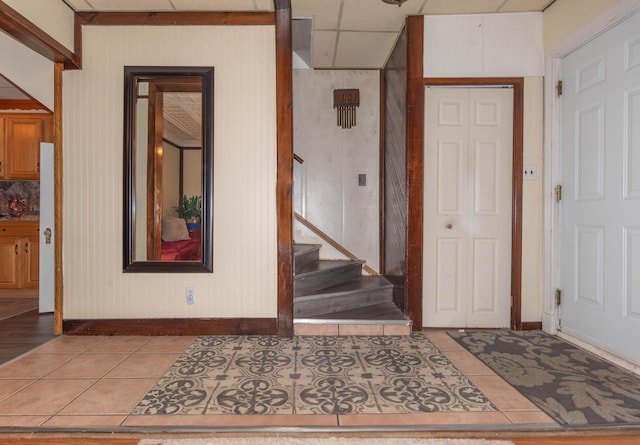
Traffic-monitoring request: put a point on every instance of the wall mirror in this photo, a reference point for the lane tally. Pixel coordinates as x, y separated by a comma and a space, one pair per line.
168, 169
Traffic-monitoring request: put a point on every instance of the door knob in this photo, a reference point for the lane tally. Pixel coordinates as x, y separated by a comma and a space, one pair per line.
449, 226
47, 235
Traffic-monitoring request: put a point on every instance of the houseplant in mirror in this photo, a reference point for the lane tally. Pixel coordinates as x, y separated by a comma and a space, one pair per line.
190, 208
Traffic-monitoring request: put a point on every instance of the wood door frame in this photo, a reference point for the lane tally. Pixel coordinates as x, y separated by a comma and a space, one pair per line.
516, 194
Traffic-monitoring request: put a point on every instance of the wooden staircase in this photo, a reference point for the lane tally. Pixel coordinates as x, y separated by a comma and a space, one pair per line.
333, 297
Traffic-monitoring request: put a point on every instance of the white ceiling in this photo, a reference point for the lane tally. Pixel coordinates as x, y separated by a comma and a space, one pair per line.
345, 33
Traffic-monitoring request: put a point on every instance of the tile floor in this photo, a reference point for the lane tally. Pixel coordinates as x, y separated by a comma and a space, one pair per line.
87, 382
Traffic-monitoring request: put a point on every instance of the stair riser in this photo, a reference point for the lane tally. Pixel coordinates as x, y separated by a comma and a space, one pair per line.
302, 260
338, 303
326, 278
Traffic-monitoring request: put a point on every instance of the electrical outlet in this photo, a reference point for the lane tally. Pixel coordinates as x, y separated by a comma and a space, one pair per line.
191, 295
530, 172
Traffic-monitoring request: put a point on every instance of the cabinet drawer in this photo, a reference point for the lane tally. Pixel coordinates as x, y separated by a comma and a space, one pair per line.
19, 229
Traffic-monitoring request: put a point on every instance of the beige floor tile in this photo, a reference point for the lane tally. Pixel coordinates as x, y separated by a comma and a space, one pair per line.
467, 363
229, 420
8, 387
86, 366
120, 344
315, 329
441, 340
34, 365
529, 417
167, 344
22, 421
83, 421
69, 344
44, 397
360, 329
503, 395
144, 365
467, 418
396, 329
110, 396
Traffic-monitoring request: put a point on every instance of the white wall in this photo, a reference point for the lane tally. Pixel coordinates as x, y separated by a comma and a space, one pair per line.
564, 17
333, 158
480, 40
493, 45
244, 282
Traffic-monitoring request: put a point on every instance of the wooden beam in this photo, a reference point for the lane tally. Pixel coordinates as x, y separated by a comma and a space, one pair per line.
177, 18
284, 174
415, 169
58, 297
25, 32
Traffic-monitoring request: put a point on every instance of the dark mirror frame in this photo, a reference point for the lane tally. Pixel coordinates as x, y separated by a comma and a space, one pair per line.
133, 74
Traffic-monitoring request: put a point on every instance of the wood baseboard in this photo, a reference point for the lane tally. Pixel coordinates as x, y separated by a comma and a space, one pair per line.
531, 325
172, 326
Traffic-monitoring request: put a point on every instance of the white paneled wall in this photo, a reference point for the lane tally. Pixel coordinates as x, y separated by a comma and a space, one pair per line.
474, 45
244, 282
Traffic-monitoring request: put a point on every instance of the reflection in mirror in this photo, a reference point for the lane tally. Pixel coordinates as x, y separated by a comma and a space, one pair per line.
168, 169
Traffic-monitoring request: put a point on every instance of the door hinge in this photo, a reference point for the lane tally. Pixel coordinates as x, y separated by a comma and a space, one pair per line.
559, 88
558, 297
559, 192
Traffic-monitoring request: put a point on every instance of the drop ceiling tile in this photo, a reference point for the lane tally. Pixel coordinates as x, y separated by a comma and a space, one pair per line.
325, 13
128, 5
375, 15
363, 50
525, 5
214, 5
324, 43
461, 6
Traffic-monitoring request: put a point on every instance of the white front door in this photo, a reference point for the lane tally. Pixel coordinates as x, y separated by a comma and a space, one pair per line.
600, 175
467, 208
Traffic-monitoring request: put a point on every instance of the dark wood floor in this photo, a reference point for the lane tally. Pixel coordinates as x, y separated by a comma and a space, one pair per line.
24, 332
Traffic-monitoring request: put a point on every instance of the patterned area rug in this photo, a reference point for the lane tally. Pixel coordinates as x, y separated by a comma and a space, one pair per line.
312, 375
572, 386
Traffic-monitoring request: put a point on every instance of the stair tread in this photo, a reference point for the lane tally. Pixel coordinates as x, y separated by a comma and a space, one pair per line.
325, 265
299, 249
378, 312
363, 282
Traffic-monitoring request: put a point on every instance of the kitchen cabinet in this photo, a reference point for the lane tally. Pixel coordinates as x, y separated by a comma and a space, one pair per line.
19, 254
20, 150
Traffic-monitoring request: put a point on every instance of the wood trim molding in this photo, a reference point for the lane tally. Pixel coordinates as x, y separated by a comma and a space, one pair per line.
25, 32
23, 105
415, 169
518, 146
531, 325
176, 18
381, 172
284, 173
172, 326
58, 286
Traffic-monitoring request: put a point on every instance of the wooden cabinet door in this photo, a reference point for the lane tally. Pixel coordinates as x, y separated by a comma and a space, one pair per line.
31, 265
10, 259
22, 147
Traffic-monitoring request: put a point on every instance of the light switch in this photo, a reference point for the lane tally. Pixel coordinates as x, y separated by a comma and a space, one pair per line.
362, 179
